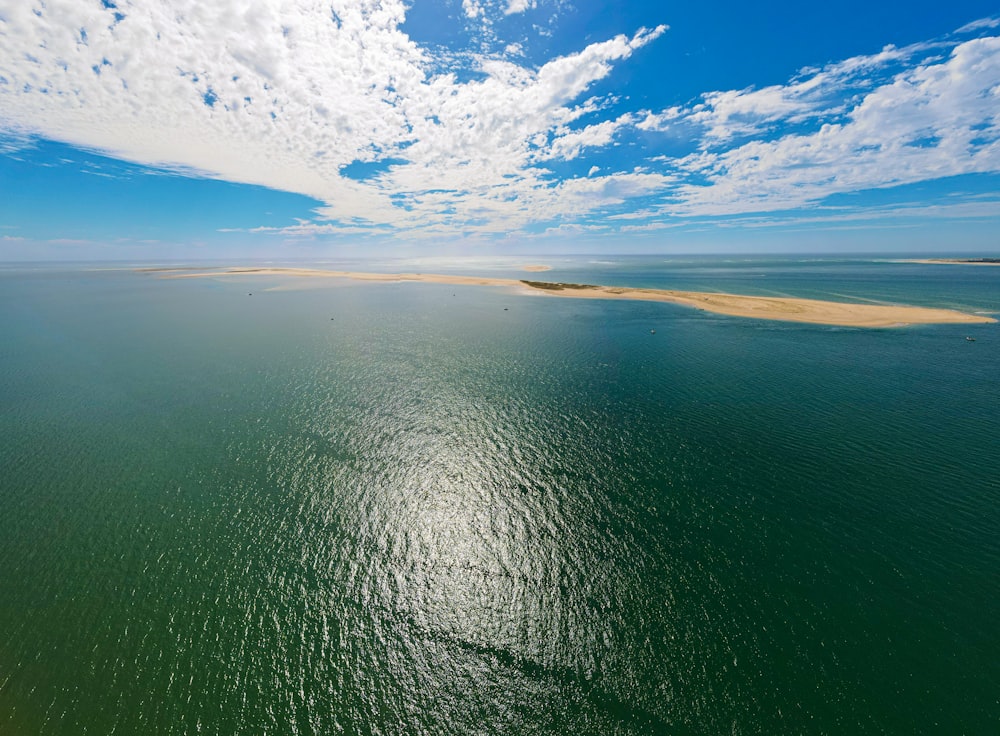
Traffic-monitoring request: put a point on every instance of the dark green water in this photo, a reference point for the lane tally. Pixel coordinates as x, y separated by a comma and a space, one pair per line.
229, 514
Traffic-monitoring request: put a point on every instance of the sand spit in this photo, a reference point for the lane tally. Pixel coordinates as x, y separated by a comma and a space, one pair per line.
772, 308
536, 267
787, 309
957, 261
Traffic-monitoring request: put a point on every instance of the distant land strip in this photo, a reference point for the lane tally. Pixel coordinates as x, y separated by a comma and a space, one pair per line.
787, 309
957, 261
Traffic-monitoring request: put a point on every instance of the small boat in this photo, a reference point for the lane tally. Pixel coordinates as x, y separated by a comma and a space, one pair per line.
971, 339
652, 332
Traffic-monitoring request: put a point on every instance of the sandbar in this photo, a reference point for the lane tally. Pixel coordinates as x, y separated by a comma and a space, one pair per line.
789, 309
957, 261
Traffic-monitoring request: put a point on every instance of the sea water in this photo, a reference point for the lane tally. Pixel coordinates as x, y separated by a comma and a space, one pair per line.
284, 506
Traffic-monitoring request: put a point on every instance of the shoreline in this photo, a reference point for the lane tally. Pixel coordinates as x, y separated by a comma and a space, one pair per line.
955, 261
788, 309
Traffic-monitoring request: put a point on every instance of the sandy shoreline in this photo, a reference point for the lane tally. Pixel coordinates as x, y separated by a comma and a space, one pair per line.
953, 261
788, 309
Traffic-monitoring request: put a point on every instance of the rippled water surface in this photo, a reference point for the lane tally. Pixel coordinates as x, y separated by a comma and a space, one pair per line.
428, 509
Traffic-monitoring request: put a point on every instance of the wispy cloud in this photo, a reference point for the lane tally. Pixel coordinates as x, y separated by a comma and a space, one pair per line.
980, 25
306, 229
937, 118
903, 214
13, 139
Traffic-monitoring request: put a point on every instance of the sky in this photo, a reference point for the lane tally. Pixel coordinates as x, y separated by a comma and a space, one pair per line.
164, 129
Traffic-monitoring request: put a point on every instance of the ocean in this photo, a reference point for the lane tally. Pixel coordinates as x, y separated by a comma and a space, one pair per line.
268, 505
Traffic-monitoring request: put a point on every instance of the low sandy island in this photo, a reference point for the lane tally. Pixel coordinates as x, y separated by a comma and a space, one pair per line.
761, 307
958, 261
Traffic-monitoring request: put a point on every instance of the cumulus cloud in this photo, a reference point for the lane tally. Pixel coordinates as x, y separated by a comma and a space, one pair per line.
518, 6
472, 9
568, 144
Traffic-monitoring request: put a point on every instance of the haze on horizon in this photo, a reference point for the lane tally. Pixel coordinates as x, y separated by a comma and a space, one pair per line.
154, 129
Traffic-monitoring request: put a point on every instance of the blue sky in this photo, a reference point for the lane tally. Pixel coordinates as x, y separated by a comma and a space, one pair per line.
157, 130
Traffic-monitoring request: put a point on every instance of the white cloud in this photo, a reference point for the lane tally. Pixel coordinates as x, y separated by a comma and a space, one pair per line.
518, 6
979, 25
650, 227
306, 229
935, 120
721, 116
472, 9
286, 95
659, 121
13, 139
568, 144
572, 229
294, 95
904, 214
289, 95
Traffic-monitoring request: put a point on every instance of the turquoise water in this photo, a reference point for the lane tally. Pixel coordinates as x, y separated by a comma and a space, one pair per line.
429, 509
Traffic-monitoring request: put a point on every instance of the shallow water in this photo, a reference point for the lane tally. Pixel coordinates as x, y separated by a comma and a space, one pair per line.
430, 509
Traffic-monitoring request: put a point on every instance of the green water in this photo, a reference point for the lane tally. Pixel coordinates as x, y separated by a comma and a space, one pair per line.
428, 509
